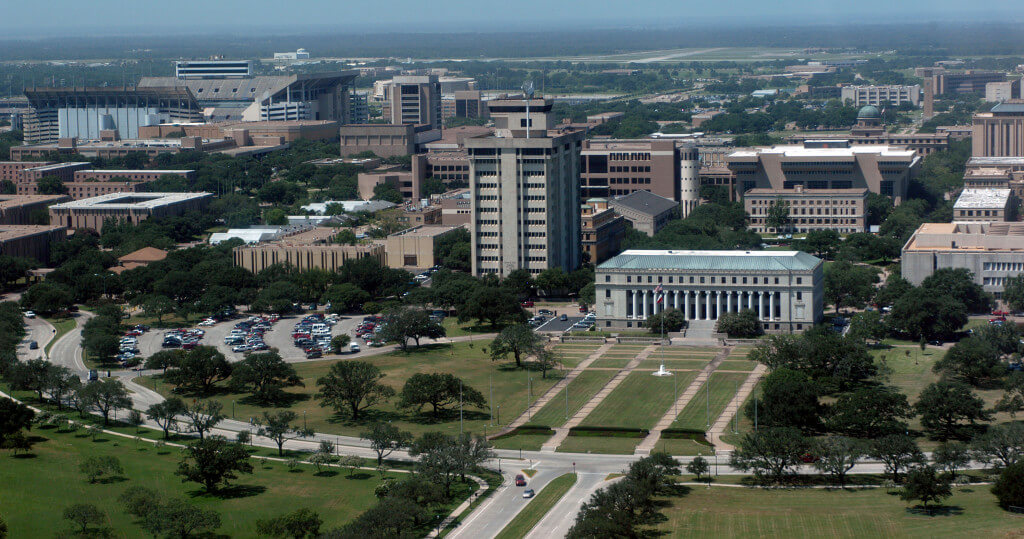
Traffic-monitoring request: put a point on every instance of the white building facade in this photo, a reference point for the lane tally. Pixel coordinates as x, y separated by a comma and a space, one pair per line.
784, 288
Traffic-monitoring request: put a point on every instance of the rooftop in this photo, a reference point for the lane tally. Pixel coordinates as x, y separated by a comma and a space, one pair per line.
798, 150
127, 201
967, 237
13, 201
712, 260
146, 254
646, 202
995, 161
425, 231
763, 191
10, 232
982, 198
58, 166
349, 205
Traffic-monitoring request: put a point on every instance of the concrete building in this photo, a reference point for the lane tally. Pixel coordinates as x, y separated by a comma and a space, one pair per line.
972, 81
784, 288
885, 170
133, 208
386, 140
313, 249
12, 170
646, 211
19, 209
842, 210
30, 241
464, 104
414, 248
999, 132
92, 183
109, 113
985, 205
869, 131
880, 96
82, 190
997, 92
130, 175
525, 191
414, 100
456, 208
371, 206
996, 172
602, 229
418, 213
359, 108
612, 168
992, 252
401, 180
689, 178
64, 171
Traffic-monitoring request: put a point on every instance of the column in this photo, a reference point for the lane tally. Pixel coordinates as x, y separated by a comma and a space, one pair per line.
718, 305
728, 301
771, 305
635, 311
707, 306
643, 303
757, 307
750, 300
686, 305
675, 299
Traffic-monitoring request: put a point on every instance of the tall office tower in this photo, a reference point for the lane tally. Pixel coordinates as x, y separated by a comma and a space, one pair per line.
415, 100
689, 179
929, 98
525, 191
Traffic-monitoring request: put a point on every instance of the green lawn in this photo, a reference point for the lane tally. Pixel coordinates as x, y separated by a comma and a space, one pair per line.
467, 361
722, 389
34, 491
599, 444
737, 365
454, 328
526, 442
536, 508
672, 364
581, 390
611, 360
639, 401
742, 512
62, 325
679, 446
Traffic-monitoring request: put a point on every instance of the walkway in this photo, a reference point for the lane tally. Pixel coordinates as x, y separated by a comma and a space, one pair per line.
649, 443
731, 409
551, 393
561, 433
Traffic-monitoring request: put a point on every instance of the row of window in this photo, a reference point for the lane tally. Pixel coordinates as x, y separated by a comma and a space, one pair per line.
806, 202
629, 156
721, 280
630, 169
1003, 266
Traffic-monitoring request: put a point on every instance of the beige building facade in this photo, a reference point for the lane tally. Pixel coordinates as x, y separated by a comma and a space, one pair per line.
414, 249
992, 252
92, 213
30, 241
842, 210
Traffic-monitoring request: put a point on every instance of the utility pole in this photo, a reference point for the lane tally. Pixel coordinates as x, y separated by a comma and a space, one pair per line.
707, 400
490, 382
460, 407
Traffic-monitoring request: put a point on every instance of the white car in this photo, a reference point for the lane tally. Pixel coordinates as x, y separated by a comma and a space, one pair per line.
30, 314
353, 348
241, 348
208, 322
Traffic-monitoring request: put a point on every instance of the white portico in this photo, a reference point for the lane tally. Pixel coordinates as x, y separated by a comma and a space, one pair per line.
784, 288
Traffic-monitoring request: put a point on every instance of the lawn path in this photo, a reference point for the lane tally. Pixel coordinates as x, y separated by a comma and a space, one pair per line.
722, 423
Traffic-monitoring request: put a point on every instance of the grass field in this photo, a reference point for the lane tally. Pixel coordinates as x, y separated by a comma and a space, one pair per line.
639, 401
714, 395
62, 325
678, 446
741, 512
455, 329
737, 365
538, 507
612, 360
672, 364
34, 491
599, 444
470, 364
581, 390
526, 442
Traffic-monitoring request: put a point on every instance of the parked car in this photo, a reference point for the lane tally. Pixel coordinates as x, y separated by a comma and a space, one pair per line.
546, 312
353, 348
33, 345
93, 375
30, 314
528, 493
314, 353
563, 317
520, 480
527, 304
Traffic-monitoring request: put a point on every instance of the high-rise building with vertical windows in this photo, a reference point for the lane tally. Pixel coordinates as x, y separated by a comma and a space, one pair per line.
415, 100
525, 191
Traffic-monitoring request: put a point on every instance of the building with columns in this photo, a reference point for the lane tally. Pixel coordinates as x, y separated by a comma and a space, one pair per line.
784, 288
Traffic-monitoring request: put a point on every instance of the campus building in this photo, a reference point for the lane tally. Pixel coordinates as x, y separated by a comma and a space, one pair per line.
612, 168
30, 241
602, 230
784, 288
414, 249
525, 191
999, 132
892, 94
996, 172
133, 208
414, 100
832, 164
314, 249
842, 210
985, 205
19, 209
992, 252
646, 212
869, 131
971, 81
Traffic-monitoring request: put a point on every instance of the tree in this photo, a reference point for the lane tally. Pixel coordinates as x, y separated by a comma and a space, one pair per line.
202, 416
669, 320
552, 280
778, 215
298, 524
921, 312
698, 466
789, 399
139, 501
213, 461
47, 298
896, 451
345, 297
278, 427
1002, 444
869, 412
178, 518
439, 459
158, 305
353, 384
821, 243
351, 462
1009, 487
108, 395
84, 515
895, 287
868, 325
386, 438
837, 455
772, 453
105, 467
14, 416
13, 268
849, 285
164, 359
519, 281
199, 369
958, 283
439, 390
339, 342
166, 413
518, 340
492, 305
945, 405
951, 456
740, 325
547, 359
1012, 400
925, 484
275, 216
973, 360
385, 191
409, 323
264, 375
324, 456
51, 185
1013, 292
32, 375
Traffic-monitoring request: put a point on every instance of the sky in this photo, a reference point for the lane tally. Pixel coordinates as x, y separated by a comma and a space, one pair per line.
104, 17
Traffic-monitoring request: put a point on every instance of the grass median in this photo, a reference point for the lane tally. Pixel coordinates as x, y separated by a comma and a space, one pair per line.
538, 507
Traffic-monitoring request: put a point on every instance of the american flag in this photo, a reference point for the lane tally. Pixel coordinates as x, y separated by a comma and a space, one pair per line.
659, 296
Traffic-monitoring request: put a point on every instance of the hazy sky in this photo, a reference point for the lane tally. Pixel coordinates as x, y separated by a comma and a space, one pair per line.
99, 17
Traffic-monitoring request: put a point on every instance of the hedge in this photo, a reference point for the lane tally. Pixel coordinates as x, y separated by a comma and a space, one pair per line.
526, 429
696, 435
614, 432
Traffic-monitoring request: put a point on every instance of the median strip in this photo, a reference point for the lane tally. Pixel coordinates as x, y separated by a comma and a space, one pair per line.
538, 507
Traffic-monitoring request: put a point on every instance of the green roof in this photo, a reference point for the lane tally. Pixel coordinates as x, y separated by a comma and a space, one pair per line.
712, 260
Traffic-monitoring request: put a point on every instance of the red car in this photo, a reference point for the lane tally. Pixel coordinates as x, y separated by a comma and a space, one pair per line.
583, 309
527, 304
520, 480
1000, 313
1000, 319
808, 458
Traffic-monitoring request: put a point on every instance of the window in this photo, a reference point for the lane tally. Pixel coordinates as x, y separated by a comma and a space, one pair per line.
608, 278
607, 293
799, 280
629, 278
799, 295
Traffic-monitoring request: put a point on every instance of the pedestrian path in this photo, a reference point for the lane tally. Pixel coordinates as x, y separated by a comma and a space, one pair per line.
561, 433
722, 423
555, 389
649, 443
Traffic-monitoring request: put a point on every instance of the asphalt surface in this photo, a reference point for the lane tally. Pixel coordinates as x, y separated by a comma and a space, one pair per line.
559, 326
38, 330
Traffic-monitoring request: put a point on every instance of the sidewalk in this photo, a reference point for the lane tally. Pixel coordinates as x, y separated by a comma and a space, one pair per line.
561, 433
649, 443
722, 423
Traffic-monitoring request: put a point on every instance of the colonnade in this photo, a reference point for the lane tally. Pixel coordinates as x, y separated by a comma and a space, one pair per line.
704, 304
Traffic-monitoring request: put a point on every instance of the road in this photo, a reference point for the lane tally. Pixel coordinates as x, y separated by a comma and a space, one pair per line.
68, 350
555, 325
38, 330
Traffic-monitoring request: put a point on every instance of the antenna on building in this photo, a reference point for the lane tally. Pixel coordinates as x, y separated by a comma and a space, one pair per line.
528, 94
